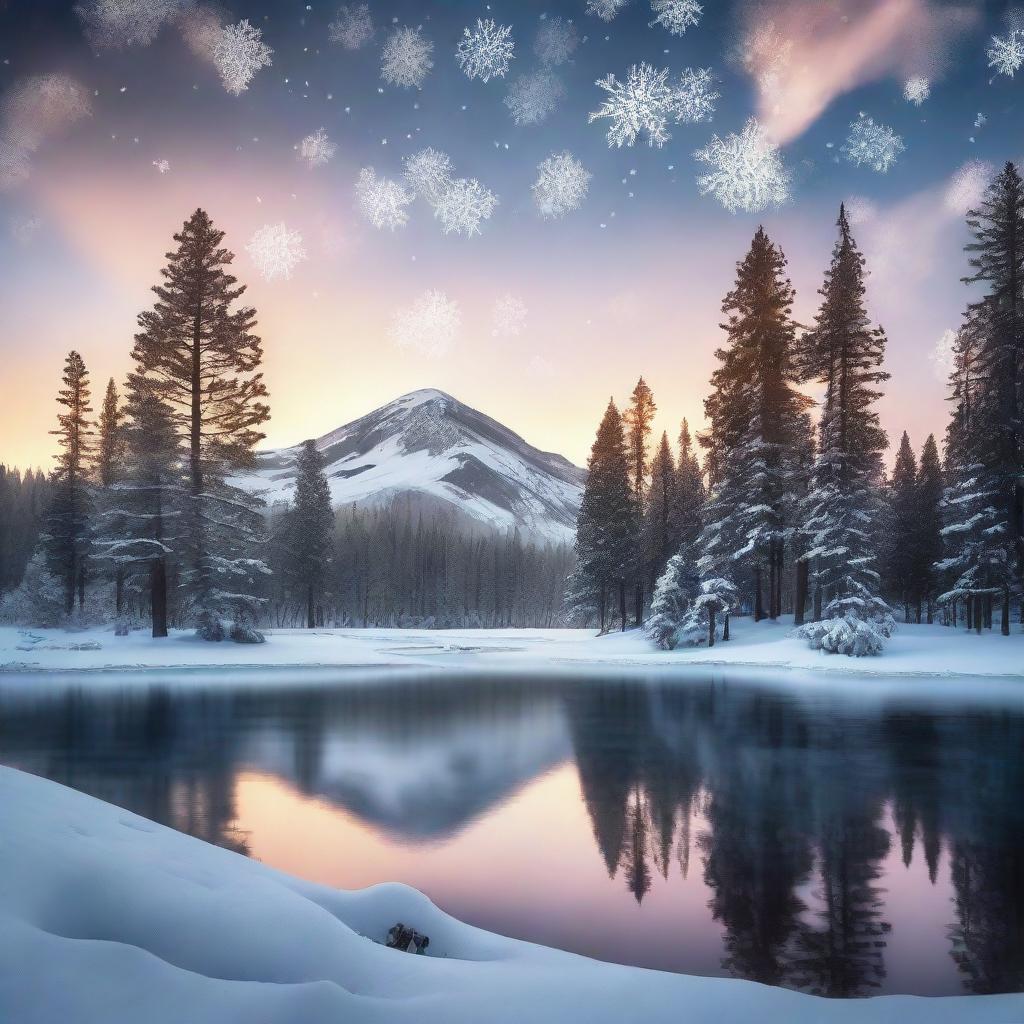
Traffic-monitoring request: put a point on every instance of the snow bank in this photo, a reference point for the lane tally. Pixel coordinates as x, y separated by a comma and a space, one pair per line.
107, 918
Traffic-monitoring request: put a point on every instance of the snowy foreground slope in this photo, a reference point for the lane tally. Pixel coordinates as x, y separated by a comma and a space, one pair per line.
428, 446
915, 651
107, 918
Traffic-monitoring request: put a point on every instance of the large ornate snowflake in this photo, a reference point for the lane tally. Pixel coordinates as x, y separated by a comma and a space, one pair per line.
113, 24
876, 145
508, 317
605, 9
463, 206
676, 15
967, 187
430, 325
643, 103
381, 201
695, 96
239, 53
1006, 53
276, 251
916, 89
748, 171
556, 41
428, 172
485, 52
353, 26
317, 149
534, 97
561, 186
406, 58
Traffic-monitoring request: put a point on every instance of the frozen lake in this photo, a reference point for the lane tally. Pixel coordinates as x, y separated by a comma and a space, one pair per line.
797, 837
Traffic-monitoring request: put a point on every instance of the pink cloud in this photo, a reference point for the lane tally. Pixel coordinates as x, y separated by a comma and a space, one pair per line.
802, 54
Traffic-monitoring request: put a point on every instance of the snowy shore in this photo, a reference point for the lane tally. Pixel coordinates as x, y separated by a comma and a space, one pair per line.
933, 651
107, 918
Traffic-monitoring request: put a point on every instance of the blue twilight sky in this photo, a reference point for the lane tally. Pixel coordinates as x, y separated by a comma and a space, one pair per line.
629, 284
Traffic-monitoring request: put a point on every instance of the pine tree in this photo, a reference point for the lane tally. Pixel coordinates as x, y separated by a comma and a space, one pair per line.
658, 536
845, 352
689, 493
637, 421
310, 526
110, 468
901, 530
200, 357
68, 520
928, 540
756, 433
605, 526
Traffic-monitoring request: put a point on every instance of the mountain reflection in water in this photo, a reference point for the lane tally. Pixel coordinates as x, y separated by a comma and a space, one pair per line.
842, 847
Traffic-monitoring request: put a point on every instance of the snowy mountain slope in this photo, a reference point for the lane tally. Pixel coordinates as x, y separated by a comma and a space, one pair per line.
428, 446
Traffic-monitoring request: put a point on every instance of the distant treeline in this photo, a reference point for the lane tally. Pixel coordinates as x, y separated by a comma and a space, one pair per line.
23, 502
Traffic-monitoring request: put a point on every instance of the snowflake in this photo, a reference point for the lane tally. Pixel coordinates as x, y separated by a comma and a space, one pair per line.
968, 186
556, 41
749, 174
317, 149
980, 121
428, 172
917, 89
382, 201
1006, 53
561, 186
605, 9
676, 15
429, 325
943, 356
485, 52
508, 317
200, 28
463, 205
353, 27
113, 24
405, 59
860, 210
239, 53
876, 145
695, 97
643, 103
534, 97
276, 251
163, 166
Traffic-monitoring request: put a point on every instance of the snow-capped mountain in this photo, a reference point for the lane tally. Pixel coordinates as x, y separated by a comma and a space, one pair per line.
427, 446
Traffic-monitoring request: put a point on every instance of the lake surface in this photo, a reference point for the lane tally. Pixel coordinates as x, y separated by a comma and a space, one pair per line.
802, 838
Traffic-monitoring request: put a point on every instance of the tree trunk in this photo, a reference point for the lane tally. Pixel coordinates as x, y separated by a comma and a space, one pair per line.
988, 611
711, 626
158, 595
979, 615
771, 583
639, 617
928, 607
1004, 625
800, 597
725, 627
622, 604
310, 608
119, 592
603, 604
81, 586
758, 606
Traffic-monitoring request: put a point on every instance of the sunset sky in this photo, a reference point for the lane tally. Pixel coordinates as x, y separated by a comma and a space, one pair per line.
629, 284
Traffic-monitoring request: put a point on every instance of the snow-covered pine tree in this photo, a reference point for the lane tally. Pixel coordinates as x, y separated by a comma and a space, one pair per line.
636, 422
68, 520
845, 352
658, 538
900, 555
756, 433
199, 356
689, 493
928, 539
310, 529
605, 526
109, 469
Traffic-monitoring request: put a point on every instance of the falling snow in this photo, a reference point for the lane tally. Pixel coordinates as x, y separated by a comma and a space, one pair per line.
676, 15
382, 201
463, 206
276, 251
556, 41
239, 53
428, 172
485, 52
748, 171
943, 356
113, 24
406, 58
317, 149
163, 166
534, 97
352, 28
916, 90
605, 9
876, 145
967, 187
561, 186
430, 325
1006, 53
643, 103
508, 317
695, 96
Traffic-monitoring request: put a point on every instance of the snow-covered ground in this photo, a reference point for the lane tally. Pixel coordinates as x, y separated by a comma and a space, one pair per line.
107, 918
915, 651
